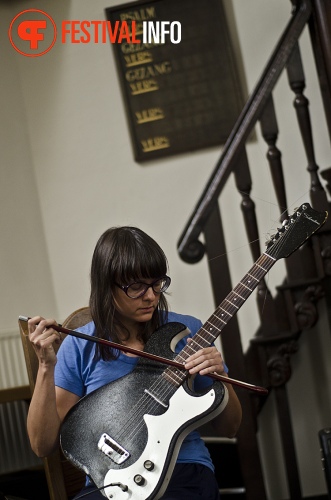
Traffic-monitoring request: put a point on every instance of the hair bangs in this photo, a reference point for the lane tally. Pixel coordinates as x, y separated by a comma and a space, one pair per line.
138, 258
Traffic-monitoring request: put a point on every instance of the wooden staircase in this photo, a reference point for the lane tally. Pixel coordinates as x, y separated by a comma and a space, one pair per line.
294, 308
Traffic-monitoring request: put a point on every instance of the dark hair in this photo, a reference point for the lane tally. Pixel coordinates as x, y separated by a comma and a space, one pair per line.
122, 255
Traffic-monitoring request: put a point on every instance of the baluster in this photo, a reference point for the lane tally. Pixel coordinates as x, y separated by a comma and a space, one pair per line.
269, 130
295, 4
301, 104
326, 175
320, 33
244, 185
232, 349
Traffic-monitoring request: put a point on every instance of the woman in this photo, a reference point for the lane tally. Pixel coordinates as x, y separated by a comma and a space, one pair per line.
128, 284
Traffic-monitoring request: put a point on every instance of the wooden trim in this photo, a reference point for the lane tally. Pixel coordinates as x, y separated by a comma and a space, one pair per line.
15, 394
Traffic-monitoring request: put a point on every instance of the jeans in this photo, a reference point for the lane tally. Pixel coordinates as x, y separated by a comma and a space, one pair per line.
188, 482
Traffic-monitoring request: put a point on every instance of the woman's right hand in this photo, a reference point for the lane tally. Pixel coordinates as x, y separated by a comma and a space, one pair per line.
43, 338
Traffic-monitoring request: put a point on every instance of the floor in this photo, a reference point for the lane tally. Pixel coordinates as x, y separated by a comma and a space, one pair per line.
31, 485
24, 485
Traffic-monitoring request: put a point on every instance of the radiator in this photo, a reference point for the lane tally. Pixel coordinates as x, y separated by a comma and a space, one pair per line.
12, 364
15, 450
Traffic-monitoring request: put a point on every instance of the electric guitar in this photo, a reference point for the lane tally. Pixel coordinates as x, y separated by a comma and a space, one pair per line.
126, 435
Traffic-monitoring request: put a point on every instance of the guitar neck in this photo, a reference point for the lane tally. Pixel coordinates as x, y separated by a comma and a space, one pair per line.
293, 233
209, 332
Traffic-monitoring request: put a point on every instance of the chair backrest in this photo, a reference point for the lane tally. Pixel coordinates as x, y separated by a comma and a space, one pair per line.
63, 479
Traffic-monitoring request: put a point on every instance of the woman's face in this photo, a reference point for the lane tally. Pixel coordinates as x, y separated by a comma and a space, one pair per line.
131, 312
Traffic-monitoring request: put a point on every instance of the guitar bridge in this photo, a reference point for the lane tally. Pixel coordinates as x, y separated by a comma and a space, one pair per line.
112, 449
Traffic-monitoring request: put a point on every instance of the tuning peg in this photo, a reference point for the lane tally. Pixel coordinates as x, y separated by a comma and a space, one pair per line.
272, 239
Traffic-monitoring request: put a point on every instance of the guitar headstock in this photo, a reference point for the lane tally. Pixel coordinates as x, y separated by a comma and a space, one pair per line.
304, 222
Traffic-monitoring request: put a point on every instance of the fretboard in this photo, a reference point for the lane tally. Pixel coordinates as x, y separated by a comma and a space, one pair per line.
209, 332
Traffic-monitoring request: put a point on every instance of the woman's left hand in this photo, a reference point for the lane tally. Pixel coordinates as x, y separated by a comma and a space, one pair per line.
204, 361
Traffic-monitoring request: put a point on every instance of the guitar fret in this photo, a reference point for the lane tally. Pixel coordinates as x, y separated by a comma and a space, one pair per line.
204, 342
185, 352
212, 325
259, 273
190, 347
209, 333
239, 295
236, 299
232, 303
242, 289
253, 277
243, 284
193, 341
270, 257
175, 377
225, 312
223, 321
183, 355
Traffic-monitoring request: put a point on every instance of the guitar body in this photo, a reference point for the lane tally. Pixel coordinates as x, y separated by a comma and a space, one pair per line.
126, 435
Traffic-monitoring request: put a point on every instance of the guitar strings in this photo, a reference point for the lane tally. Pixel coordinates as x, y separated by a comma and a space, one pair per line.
270, 231
161, 386
147, 403
267, 234
159, 383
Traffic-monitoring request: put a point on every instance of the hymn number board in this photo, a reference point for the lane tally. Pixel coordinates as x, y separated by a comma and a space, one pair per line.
181, 93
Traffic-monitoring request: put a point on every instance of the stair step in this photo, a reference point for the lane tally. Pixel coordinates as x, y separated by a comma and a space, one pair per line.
219, 440
232, 491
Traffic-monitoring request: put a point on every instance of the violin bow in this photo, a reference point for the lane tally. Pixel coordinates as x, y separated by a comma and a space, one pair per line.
153, 357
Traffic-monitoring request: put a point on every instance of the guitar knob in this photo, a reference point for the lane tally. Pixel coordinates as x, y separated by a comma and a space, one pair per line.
149, 465
139, 480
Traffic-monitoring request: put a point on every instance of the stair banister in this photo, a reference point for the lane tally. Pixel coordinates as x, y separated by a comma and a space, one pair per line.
189, 247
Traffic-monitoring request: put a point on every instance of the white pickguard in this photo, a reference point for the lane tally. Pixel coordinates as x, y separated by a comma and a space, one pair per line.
161, 429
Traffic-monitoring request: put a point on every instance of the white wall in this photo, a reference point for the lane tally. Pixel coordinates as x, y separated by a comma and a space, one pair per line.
25, 271
68, 174
86, 178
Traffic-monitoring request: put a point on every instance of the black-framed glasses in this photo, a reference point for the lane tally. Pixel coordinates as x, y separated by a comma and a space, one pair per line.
139, 288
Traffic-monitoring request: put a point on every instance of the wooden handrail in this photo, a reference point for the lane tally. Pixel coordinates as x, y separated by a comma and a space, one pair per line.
189, 247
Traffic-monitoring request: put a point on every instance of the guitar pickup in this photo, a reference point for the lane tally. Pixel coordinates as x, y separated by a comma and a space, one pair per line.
112, 449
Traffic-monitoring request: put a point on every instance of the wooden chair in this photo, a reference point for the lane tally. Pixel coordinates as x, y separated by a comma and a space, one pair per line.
63, 479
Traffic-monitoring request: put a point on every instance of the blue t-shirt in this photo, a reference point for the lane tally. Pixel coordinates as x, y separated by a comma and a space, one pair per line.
79, 372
